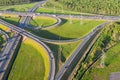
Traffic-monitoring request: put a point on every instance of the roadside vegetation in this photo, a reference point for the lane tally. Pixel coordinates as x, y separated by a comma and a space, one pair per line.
112, 65
41, 21
108, 7
104, 56
13, 2
32, 62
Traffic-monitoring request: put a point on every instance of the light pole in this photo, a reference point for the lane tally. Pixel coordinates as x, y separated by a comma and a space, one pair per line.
70, 17
81, 20
54, 9
62, 7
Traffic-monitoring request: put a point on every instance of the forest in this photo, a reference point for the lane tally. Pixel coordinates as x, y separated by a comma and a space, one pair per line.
109, 7
13, 2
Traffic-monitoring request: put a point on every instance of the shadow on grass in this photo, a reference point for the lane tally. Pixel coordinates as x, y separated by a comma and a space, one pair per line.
55, 49
63, 21
48, 35
63, 59
117, 22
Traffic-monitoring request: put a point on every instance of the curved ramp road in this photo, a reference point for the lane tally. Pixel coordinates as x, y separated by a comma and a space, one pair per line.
5, 34
52, 60
28, 34
78, 53
58, 22
7, 39
35, 38
24, 22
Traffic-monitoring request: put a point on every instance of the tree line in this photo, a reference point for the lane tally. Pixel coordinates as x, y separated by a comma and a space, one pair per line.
13, 2
111, 7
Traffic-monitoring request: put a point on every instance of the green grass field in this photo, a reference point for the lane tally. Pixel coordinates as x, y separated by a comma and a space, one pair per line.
12, 20
42, 21
69, 30
23, 7
32, 62
112, 60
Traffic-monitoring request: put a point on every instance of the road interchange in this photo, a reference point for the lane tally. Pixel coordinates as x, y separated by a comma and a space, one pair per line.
39, 40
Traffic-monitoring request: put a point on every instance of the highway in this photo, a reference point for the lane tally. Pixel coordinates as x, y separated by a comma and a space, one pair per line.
87, 39
77, 54
30, 14
59, 75
7, 54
